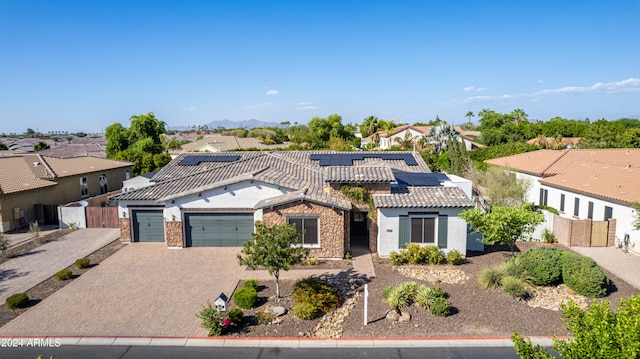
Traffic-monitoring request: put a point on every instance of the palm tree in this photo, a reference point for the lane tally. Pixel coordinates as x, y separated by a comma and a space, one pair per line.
369, 126
469, 115
520, 115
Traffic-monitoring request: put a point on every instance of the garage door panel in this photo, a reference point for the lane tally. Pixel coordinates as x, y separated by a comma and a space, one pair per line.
148, 226
218, 230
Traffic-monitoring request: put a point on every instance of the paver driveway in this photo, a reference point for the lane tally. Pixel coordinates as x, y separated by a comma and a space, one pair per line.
144, 289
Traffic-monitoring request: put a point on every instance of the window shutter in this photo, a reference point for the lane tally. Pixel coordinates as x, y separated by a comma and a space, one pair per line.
442, 231
403, 235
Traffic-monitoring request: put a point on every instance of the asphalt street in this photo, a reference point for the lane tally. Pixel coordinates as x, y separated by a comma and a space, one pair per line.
158, 352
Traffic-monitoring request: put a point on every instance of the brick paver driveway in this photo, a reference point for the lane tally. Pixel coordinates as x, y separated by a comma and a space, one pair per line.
145, 289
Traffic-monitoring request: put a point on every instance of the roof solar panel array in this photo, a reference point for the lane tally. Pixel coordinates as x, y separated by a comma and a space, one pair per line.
346, 159
418, 179
197, 159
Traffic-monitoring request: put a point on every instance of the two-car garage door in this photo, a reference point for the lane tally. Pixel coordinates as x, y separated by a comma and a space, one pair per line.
218, 229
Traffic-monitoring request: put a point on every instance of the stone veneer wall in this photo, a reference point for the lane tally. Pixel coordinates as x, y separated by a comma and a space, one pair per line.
125, 230
173, 234
332, 228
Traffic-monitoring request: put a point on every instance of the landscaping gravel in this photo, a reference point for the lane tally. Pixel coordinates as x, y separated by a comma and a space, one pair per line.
475, 311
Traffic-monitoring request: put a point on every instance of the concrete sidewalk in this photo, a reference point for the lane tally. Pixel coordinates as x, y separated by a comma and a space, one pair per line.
625, 266
287, 342
22, 273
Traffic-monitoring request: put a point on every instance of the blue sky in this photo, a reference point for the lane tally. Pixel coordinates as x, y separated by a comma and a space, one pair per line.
83, 65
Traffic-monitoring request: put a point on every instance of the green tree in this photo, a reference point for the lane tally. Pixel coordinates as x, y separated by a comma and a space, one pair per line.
630, 138
503, 188
503, 225
275, 248
141, 143
469, 115
40, 146
369, 126
458, 157
603, 134
3, 146
598, 332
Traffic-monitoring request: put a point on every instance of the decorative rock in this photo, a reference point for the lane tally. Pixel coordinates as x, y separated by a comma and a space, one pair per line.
434, 274
277, 311
393, 315
404, 317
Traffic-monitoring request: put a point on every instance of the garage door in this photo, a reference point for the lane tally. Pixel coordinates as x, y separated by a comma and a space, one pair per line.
218, 230
148, 226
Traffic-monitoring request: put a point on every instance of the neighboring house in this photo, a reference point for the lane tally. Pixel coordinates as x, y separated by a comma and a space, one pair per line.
554, 143
219, 143
143, 180
414, 134
213, 199
596, 184
64, 150
32, 186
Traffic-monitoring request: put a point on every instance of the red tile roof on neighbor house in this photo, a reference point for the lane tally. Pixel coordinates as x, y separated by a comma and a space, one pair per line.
612, 173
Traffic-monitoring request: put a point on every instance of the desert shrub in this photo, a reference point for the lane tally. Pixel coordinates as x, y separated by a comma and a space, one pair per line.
236, 315
245, 298
416, 254
18, 300
264, 317
514, 286
211, 319
83, 263
305, 311
584, 276
318, 293
513, 268
547, 236
491, 277
396, 297
312, 261
250, 283
64, 274
434, 255
426, 295
409, 289
542, 264
455, 257
398, 258
440, 307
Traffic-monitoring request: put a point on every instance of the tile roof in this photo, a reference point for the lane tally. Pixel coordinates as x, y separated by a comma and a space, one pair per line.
360, 174
226, 143
423, 197
91, 149
22, 172
293, 170
18, 173
301, 195
611, 173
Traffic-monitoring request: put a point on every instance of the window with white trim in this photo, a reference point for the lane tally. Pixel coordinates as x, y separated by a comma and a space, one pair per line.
103, 183
84, 187
308, 228
423, 230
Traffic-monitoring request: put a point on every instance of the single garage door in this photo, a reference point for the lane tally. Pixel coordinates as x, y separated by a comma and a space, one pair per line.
148, 226
218, 230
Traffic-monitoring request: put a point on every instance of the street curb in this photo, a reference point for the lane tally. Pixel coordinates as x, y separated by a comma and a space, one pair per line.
256, 342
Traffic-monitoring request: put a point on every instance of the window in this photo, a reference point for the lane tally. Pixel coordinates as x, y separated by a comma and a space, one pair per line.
127, 174
590, 210
423, 230
544, 193
103, 183
576, 207
562, 203
84, 188
608, 213
308, 228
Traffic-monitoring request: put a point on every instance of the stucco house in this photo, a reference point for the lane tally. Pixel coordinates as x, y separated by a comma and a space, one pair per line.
415, 133
594, 184
213, 199
32, 185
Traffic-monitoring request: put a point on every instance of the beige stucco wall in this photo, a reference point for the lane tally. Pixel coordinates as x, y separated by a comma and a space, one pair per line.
67, 189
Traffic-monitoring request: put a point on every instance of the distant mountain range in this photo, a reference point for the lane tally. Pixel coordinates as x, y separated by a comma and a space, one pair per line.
252, 123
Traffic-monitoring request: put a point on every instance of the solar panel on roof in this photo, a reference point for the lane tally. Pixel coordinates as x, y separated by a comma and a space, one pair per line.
197, 159
346, 159
416, 179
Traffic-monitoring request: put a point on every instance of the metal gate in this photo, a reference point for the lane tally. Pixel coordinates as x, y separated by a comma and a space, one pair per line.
102, 217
